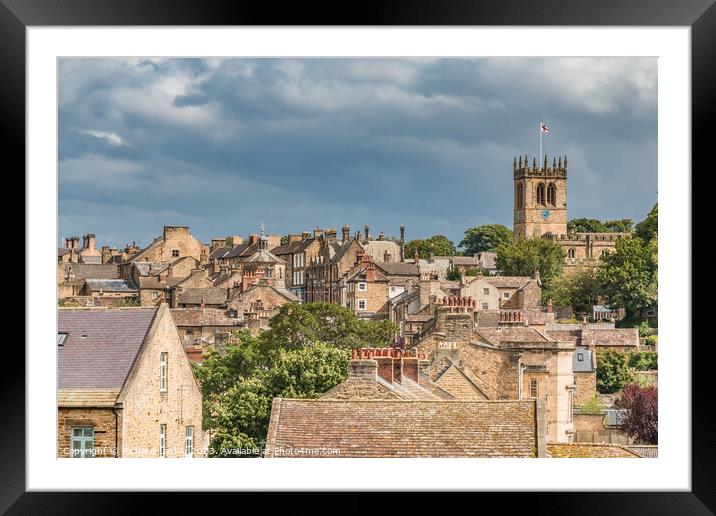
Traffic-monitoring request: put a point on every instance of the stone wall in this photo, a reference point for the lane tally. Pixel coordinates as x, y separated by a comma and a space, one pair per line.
103, 421
586, 387
145, 407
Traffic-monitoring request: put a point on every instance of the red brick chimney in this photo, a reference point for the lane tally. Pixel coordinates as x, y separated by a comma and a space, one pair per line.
391, 364
253, 238
370, 273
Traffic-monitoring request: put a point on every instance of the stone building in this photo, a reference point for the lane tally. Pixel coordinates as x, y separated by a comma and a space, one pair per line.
204, 327
125, 386
175, 242
298, 253
510, 361
540, 211
257, 304
388, 407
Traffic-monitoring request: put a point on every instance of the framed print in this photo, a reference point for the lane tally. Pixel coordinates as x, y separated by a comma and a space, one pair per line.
289, 241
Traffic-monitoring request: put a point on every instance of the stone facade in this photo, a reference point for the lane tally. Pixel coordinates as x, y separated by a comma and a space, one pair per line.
175, 242
145, 407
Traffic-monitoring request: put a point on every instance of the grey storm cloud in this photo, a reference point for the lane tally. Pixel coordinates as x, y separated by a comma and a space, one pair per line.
225, 145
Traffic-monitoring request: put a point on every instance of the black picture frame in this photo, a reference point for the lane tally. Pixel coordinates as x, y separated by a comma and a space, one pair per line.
700, 15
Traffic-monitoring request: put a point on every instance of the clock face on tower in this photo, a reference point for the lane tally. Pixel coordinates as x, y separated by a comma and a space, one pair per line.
545, 214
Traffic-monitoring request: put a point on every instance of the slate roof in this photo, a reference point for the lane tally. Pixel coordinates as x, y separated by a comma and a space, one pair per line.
589, 451
242, 250
263, 256
293, 247
402, 428
61, 251
398, 268
466, 260
586, 364
101, 345
219, 253
204, 317
111, 285
610, 337
92, 270
211, 296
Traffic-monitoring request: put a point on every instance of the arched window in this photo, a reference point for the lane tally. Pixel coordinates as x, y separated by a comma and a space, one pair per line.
552, 194
540, 193
519, 195
571, 253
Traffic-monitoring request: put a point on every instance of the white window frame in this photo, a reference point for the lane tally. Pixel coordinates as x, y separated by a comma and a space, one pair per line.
505, 295
86, 442
163, 371
189, 441
534, 387
163, 440
364, 302
486, 291
362, 286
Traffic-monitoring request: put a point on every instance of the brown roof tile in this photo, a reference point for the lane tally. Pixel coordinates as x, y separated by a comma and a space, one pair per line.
414, 428
588, 451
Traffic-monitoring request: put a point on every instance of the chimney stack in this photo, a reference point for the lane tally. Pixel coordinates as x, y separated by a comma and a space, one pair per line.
367, 232
317, 232
402, 233
253, 238
550, 308
346, 233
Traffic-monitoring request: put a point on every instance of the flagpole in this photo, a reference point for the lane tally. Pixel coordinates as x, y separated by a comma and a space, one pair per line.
539, 128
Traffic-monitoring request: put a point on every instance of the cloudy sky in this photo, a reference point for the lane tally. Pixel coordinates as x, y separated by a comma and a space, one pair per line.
224, 145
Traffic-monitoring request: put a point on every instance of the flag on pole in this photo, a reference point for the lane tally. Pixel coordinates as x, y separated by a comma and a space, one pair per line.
543, 127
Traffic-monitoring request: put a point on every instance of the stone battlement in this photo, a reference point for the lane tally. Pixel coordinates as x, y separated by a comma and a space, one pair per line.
523, 169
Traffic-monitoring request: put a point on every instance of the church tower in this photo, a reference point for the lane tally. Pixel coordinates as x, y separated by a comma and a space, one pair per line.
540, 198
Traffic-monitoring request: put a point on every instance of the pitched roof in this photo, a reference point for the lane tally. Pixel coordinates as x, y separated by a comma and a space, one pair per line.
508, 281
111, 285
61, 251
195, 296
466, 260
263, 256
87, 397
398, 268
589, 451
293, 247
610, 337
402, 428
204, 317
510, 334
92, 270
219, 253
101, 345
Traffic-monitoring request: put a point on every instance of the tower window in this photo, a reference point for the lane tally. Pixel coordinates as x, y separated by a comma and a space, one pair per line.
571, 253
519, 195
552, 194
541, 194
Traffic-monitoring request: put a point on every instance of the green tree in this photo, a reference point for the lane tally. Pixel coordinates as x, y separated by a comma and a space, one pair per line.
643, 360
613, 371
578, 288
628, 277
584, 225
300, 325
525, 257
438, 245
648, 228
453, 274
238, 388
619, 226
485, 238
131, 301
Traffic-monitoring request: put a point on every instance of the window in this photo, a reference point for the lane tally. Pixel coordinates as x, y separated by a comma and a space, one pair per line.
533, 388
485, 306
361, 304
486, 291
552, 194
155, 295
580, 357
541, 194
82, 442
506, 295
61, 338
519, 195
163, 371
162, 440
175, 253
361, 286
571, 253
189, 442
